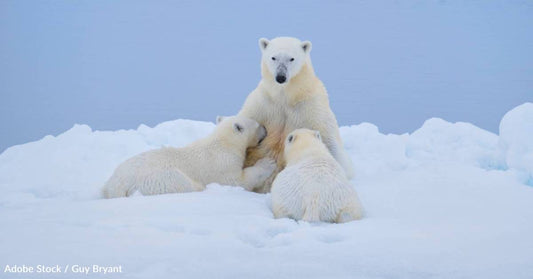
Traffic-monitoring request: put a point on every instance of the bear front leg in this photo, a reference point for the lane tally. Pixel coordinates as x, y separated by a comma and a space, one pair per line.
254, 176
337, 151
345, 161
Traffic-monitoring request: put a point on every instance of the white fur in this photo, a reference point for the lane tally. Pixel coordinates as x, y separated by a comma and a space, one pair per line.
285, 55
313, 187
219, 158
300, 102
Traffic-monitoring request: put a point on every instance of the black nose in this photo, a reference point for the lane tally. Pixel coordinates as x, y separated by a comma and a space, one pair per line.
281, 79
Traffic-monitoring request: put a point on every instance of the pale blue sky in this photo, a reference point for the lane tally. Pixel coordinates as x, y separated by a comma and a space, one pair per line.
117, 64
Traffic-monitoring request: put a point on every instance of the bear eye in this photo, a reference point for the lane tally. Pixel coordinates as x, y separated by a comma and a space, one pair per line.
274, 58
290, 138
238, 127
292, 59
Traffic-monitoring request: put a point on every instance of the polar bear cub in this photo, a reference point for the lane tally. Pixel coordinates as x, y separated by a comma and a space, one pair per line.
313, 187
218, 158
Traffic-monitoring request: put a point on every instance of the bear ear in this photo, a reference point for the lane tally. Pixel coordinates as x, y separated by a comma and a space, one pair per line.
306, 46
263, 43
238, 127
220, 118
317, 135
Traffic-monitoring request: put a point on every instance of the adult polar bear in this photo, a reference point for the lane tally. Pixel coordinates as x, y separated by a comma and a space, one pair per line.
288, 97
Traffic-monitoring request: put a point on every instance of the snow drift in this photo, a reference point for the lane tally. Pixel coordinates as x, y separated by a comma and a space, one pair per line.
449, 200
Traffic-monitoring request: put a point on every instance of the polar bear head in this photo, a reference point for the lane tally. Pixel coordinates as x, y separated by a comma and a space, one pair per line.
284, 57
240, 130
303, 142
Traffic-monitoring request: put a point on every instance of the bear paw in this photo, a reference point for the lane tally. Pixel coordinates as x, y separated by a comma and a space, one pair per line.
267, 165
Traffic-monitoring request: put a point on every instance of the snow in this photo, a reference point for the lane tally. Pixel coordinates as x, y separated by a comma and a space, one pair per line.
516, 128
448, 201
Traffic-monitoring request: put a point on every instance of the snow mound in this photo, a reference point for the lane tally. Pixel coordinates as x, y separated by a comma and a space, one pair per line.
456, 143
372, 151
447, 201
74, 164
516, 141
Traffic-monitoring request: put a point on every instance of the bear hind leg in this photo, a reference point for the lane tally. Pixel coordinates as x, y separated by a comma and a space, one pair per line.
348, 214
168, 181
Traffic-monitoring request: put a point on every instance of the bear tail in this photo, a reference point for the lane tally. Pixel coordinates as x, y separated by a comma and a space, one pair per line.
312, 211
311, 215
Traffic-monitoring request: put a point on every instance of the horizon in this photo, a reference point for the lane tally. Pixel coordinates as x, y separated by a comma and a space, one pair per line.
117, 65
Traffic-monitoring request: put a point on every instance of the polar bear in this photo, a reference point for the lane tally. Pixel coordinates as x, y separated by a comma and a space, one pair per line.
290, 96
313, 187
218, 158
